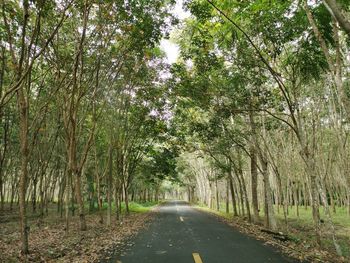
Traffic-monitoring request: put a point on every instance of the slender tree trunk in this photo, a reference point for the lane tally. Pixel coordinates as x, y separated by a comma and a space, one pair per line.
314, 196
42, 193
209, 196
2, 192
5, 134
126, 199
227, 199
322, 190
244, 194
117, 202
233, 197
99, 198
241, 195
217, 195
109, 184
254, 170
80, 201
67, 197
34, 196
60, 203
296, 199
23, 110
241, 176
269, 211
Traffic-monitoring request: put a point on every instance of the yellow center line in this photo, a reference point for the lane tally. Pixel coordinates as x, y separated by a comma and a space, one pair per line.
181, 219
197, 258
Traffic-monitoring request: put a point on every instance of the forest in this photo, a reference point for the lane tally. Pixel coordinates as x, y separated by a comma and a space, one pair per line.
251, 123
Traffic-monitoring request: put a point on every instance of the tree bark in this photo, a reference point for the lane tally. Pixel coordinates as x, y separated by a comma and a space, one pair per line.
227, 196
67, 197
217, 195
335, 10
233, 197
126, 196
109, 184
23, 110
254, 170
269, 211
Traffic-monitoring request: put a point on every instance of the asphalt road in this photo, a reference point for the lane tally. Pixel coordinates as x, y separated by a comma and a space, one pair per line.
181, 234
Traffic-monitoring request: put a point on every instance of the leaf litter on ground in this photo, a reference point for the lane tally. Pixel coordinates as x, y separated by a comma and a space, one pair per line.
49, 242
302, 251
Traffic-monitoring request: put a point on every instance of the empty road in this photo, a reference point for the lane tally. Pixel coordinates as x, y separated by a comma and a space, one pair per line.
181, 234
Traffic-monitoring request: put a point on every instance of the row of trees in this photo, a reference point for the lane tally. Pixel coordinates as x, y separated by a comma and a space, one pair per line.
81, 102
258, 105
261, 101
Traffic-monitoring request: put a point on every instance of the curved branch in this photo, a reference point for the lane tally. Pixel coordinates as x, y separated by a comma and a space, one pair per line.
4, 99
273, 73
335, 10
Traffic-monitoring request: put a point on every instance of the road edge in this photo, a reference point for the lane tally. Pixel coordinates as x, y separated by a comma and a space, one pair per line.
289, 249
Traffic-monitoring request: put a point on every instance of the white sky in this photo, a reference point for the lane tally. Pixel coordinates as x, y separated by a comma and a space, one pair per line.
171, 49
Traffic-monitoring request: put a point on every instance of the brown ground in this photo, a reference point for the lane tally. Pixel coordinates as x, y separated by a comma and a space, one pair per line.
48, 241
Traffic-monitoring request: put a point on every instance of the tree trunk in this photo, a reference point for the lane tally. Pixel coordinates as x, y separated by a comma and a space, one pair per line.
233, 197
217, 195
269, 211
241, 195
80, 201
67, 197
314, 195
109, 184
2, 192
126, 199
254, 170
117, 202
35, 183
227, 196
99, 198
336, 12
23, 110
209, 196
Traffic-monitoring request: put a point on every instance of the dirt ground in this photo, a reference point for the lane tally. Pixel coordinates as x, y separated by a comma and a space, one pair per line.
49, 242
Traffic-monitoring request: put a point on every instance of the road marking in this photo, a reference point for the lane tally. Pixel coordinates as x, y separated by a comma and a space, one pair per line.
197, 258
181, 219
118, 261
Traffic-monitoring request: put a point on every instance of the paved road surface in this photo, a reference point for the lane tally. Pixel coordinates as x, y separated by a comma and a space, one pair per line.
181, 234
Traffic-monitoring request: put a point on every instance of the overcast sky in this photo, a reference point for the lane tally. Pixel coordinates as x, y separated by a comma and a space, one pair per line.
171, 49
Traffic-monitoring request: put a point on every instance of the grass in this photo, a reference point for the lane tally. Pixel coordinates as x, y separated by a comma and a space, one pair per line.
135, 207
340, 218
13, 216
221, 212
301, 228
140, 207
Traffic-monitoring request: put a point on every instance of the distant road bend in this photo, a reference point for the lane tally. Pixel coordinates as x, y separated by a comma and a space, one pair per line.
181, 234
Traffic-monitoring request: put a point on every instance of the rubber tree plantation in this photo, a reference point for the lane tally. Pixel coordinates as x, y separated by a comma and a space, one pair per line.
100, 129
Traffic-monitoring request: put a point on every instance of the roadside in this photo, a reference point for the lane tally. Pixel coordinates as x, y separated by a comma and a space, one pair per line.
50, 243
298, 244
